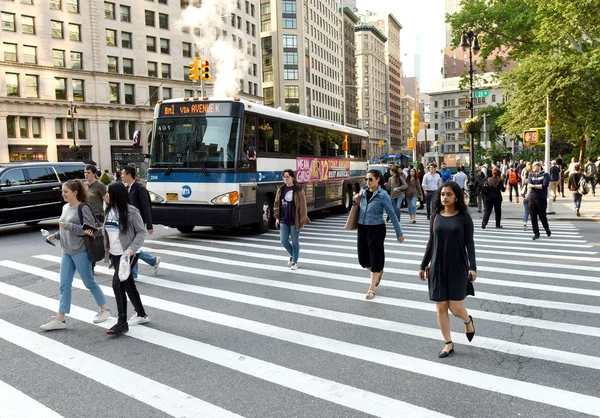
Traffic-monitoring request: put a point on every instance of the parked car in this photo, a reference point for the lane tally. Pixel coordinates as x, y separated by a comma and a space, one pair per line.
31, 192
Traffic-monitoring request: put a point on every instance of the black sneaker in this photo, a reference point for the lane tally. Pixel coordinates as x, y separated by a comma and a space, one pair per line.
548, 232
537, 236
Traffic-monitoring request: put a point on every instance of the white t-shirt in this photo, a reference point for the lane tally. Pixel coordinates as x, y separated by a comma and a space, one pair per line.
111, 226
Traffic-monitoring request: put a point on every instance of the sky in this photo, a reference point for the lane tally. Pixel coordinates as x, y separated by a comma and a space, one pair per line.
422, 22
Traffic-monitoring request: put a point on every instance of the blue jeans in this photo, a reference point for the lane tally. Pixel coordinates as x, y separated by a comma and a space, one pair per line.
592, 180
576, 200
526, 207
397, 204
83, 265
430, 201
412, 206
294, 248
147, 258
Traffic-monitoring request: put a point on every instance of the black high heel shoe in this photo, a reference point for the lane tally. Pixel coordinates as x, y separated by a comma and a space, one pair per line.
445, 353
470, 335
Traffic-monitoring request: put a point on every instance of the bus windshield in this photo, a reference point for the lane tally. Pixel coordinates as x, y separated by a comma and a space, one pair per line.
195, 142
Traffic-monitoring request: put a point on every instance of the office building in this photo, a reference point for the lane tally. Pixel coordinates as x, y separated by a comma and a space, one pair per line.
350, 81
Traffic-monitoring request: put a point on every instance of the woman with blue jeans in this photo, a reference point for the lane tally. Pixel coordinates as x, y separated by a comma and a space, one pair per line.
290, 214
75, 256
396, 186
413, 192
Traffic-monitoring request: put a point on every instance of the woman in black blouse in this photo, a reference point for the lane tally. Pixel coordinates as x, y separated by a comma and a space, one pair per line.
451, 251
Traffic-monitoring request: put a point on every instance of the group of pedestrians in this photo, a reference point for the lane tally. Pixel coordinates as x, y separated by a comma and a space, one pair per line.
116, 213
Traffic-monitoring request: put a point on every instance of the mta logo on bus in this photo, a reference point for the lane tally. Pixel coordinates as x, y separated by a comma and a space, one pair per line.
186, 191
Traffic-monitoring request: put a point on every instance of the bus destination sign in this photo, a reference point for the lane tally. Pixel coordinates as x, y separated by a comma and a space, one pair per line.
196, 109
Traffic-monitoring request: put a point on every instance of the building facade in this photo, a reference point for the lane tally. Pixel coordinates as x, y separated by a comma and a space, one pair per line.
303, 57
350, 86
411, 99
79, 78
373, 97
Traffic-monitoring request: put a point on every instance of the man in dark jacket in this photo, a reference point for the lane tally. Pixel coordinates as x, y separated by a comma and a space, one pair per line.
537, 184
140, 198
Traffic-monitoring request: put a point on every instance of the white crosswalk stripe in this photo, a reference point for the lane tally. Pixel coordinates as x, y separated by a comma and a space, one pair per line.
539, 308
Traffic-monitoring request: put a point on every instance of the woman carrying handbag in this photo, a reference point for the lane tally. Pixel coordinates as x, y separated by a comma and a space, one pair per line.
450, 255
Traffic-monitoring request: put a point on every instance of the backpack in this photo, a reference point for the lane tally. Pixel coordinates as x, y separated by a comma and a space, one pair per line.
94, 245
512, 177
590, 170
584, 187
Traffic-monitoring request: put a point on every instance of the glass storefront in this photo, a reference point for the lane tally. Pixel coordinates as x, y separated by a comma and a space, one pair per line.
25, 153
66, 153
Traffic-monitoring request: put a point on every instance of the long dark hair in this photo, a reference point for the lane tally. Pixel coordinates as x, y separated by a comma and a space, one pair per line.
119, 199
292, 174
410, 177
460, 204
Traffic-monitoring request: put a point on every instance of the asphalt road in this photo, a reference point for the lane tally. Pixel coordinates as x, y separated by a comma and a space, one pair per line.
234, 332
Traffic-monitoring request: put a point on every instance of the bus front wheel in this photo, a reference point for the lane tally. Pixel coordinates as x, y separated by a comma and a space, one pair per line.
348, 196
267, 216
185, 229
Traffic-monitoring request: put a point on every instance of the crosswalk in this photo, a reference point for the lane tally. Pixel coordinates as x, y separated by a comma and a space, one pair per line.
234, 332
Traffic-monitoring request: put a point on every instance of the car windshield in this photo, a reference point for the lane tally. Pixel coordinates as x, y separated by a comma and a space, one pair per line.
195, 142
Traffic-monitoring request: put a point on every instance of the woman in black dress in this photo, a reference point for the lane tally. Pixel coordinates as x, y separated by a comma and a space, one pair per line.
451, 251
493, 198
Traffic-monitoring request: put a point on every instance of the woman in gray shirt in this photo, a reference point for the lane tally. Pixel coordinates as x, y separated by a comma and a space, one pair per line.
75, 256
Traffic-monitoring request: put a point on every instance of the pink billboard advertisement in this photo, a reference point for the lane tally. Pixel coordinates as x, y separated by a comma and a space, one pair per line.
321, 169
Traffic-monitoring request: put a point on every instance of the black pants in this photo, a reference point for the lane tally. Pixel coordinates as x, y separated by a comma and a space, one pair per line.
537, 208
495, 204
430, 201
124, 289
510, 191
370, 246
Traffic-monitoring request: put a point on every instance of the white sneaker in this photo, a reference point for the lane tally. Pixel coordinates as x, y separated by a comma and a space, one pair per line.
137, 320
156, 265
101, 316
294, 266
290, 262
54, 325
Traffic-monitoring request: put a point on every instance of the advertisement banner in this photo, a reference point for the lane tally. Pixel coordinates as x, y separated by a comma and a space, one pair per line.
321, 169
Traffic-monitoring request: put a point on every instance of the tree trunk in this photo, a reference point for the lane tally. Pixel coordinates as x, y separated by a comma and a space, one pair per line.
582, 147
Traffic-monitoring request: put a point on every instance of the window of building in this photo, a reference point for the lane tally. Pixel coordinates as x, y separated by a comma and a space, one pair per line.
167, 93
435, 103
252, 10
150, 18
73, 6
152, 69
78, 90
188, 93
112, 130
267, 76
11, 129
254, 69
109, 10
28, 25
8, 22
56, 29
292, 92
125, 12
126, 41
112, 64
81, 130
290, 74
265, 9
24, 127
54, 4
29, 54
290, 41
111, 37
165, 47
162, 1
288, 6
60, 88
187, 49
493, 98
290, 58
127, 66
58, 128
58, 58
289, 22
122, 129
129, 90
31, 86
165, 70
150, 43
163, 21
12, 84
153, 94
10, 52
75, 32
76, 60
265, 25
113, 92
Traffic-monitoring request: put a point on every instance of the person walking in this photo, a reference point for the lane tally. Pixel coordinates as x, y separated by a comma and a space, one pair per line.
460, 178
590, 171
478, 186
413, 192
445, 173
290, 213
75, 256
573, 185
513, 180
140, 199
554, 179
373, 201
420, 175
95, 192
431, 182
537, 185
124, 232
450, 255
397, 186
525, 195
494, 187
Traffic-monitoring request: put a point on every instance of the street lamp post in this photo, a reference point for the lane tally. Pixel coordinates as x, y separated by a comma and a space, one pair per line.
471, 42
73, 112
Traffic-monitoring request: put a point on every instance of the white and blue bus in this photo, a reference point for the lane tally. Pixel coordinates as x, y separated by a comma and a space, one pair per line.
219, 162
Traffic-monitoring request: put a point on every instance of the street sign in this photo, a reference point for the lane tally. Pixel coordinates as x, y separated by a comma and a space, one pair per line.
481, 94
530, 137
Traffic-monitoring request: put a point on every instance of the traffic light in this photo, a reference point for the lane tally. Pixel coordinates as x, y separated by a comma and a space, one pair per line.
205, 71
381, 142
193, 69
414, 122
411, 143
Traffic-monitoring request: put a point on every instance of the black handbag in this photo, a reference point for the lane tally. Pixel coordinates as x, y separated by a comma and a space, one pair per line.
95, 244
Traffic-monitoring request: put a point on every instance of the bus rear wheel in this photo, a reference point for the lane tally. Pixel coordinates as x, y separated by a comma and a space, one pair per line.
267, 216
348, 195
185, 229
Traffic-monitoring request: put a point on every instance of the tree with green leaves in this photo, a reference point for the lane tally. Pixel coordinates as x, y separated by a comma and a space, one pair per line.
554, 46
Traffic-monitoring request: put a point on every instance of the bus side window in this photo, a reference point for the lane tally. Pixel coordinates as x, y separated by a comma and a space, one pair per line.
305, 139
334, 145
289, 138
248, 151
268, 133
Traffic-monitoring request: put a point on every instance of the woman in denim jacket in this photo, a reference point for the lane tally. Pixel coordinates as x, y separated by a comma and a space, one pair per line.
373, 200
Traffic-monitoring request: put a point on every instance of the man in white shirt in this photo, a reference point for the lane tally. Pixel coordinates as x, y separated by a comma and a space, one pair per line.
460, 178
431, 183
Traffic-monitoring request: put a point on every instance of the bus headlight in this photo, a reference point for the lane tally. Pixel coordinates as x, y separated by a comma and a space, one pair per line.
230, 198
154, 198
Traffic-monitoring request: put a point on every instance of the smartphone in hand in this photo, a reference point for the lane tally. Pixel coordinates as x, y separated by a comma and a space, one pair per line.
87, 227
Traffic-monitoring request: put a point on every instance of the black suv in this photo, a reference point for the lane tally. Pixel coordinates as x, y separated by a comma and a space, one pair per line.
32, 192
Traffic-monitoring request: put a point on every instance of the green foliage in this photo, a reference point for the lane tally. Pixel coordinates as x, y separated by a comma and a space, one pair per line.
105, 179
531, 154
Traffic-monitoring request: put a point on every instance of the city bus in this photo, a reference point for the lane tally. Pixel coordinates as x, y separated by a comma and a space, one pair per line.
218, 163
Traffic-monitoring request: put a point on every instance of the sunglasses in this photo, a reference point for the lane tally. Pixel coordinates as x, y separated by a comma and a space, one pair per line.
369, 179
